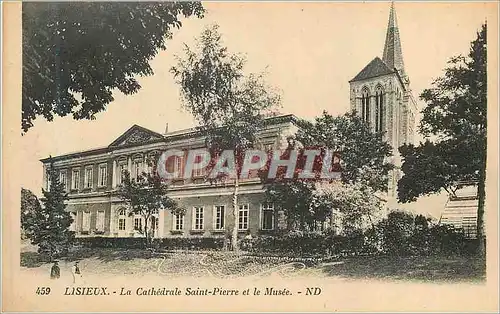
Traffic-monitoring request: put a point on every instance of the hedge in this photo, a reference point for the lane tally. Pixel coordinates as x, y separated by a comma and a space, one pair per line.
195, 243
306, 244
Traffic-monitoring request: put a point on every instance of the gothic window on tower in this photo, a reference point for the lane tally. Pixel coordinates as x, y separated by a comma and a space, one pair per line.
379, 110
365, 106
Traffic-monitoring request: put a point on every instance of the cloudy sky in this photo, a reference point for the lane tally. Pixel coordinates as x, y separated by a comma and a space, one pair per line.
309, 50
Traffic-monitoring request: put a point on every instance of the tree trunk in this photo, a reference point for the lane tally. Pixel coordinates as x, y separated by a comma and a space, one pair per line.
289, 222
302, 223
146, 231
481, 193
234, 238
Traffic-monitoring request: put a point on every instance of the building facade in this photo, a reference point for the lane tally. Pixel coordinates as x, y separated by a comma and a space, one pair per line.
381, 94
92, 177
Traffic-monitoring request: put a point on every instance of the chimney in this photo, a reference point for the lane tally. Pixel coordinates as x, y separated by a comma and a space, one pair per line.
166, 128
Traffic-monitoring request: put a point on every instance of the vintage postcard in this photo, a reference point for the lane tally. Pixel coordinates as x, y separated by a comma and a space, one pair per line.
250, 156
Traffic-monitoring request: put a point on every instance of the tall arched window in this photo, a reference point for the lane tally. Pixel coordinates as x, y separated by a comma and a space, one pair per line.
379, 109
365, 106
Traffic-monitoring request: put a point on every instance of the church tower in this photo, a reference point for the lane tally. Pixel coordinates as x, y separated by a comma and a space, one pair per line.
381, 95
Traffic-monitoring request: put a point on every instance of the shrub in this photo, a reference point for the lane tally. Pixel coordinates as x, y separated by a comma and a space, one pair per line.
403, 234
300, 243
105, 242
396, 236
195, 243
296, 243
448, 241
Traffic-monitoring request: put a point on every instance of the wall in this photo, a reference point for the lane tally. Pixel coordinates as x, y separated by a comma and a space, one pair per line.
93, 208
209, 202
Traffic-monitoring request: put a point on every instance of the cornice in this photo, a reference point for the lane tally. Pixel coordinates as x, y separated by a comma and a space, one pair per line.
105, 153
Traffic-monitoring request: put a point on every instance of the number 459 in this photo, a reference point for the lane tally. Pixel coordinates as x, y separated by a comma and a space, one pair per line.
43, 290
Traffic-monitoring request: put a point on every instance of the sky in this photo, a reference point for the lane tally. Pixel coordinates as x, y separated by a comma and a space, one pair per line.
309, 51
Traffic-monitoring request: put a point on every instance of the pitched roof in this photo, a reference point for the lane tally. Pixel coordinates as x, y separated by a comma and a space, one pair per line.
375, 68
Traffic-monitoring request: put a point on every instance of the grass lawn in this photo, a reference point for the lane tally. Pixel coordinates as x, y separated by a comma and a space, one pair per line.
419, 268
111, 262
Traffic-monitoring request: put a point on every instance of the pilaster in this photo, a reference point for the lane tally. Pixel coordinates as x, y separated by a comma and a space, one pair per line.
113, 173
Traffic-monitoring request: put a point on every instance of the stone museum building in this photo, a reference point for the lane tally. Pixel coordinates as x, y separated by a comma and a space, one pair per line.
91, 179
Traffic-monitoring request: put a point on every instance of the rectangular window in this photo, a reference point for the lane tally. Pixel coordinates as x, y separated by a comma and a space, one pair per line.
199, 172
243, 217
267, 216
178, 222
72, 227
86, 221
138, 223
63, 179
178, 167
154, 223
75, 179
137, 168
103, 175
121, 173
268, 147
219, 215
174, 165
100, 220
121, 224
88, 177
198, 218
150, 161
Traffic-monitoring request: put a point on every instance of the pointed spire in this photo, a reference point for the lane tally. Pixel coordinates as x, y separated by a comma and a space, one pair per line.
393, 54
393, 22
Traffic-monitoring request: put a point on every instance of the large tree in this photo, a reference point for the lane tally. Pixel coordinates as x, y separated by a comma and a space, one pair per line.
354, 204
47, 224
455, 117
364, 154
146, 195
29, 205
364, 159
76, 53
229, 105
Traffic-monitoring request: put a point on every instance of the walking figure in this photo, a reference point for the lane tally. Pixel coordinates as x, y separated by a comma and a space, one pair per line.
55, 271
75, 270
